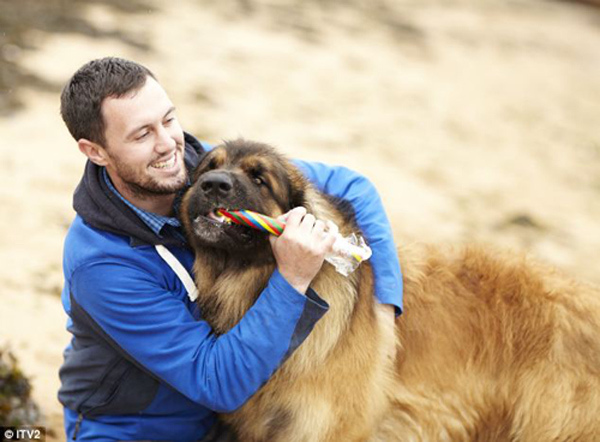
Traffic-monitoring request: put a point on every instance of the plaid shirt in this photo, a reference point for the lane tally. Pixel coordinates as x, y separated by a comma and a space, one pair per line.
154, 221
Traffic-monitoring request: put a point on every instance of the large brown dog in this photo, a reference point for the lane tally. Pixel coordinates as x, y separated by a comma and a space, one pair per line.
490, 346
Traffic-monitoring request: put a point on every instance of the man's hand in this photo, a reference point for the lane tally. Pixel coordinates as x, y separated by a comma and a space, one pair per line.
302, 247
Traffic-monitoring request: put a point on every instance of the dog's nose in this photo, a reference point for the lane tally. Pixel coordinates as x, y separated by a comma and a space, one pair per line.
216, 183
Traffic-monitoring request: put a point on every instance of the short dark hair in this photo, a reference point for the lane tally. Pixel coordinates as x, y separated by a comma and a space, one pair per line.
82, 97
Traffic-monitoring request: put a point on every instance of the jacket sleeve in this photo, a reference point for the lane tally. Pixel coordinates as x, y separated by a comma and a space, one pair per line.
344, 183
156, 330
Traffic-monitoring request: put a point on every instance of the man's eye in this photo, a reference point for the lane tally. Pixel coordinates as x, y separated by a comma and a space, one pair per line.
142, 136
170, 120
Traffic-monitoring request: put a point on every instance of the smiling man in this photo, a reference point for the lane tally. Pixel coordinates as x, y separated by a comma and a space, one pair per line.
142, 364
145, 158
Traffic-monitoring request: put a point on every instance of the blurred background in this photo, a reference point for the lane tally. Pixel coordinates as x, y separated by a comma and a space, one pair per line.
477, 120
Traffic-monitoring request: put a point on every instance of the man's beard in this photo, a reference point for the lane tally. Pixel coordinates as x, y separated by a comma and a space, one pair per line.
148, 187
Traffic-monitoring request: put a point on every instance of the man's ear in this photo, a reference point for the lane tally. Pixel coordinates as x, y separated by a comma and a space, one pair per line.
96, 153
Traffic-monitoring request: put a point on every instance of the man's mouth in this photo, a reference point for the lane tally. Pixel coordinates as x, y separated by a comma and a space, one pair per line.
166, 164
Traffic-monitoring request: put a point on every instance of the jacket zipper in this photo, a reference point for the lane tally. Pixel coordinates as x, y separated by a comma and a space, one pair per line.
77, 424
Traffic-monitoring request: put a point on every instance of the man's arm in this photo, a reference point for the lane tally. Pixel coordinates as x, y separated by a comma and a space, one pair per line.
151, 327
372, 220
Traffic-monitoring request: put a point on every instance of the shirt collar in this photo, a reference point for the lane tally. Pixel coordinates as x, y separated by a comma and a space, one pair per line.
153, 220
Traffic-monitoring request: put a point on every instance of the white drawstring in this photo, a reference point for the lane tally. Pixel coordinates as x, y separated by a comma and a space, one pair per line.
179, 270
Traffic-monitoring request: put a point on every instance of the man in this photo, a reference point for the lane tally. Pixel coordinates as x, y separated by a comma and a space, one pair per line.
142, 365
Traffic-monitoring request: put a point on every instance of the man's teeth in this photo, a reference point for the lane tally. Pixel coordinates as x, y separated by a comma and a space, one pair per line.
165, 164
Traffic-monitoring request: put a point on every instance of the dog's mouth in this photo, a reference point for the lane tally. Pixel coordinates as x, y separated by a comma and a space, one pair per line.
216, 216
214, 229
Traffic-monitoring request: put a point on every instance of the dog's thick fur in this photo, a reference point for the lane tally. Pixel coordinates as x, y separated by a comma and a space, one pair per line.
490, 346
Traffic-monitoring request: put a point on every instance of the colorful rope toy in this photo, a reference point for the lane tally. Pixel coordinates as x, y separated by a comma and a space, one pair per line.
255, 220
353, 247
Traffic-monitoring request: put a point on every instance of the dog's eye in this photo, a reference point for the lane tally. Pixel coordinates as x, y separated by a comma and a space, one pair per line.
258, 180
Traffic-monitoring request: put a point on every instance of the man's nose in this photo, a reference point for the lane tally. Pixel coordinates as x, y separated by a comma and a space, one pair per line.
216, 183
165, 141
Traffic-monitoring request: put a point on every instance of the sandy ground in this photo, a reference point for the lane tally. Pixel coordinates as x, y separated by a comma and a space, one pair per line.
477, 121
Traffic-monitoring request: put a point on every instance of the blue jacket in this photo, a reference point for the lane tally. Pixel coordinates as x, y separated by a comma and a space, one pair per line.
141, 363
